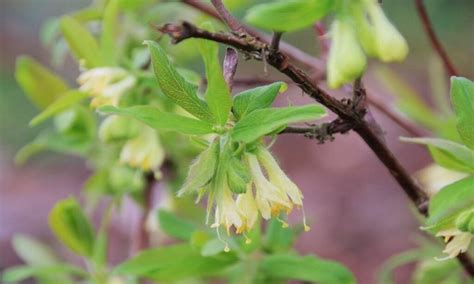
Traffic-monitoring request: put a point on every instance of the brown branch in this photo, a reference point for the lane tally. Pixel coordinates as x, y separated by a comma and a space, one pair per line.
227, 17
349, 113
321, 133
296, 54
437, 46
305, 60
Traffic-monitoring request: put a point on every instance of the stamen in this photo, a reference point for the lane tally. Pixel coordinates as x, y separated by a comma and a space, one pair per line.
283, 223
247, 239
305, 226
226, 245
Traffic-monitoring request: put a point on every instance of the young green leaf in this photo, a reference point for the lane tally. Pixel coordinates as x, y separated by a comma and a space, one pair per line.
201, 170
71, 226
57, 273
238, 176
448, 154
175, 226
32, 251
288, 15
305, 268
69, 99
449, 202
40, 84
175, 86
82, 44
173, 263
462, 97
256, 98
109, 29
264, 121
157, 119
217, 93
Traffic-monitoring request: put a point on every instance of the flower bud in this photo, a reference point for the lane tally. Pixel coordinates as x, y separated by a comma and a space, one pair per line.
346, 59
144, 151
238, 176
116, 127
391, 46
465, 221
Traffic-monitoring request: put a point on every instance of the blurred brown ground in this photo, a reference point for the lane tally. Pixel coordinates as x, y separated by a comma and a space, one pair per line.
358, 213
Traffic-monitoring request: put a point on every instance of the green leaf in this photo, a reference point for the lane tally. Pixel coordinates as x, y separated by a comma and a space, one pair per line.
449, 202
440, 272
32, 251
82, 44
238, 175
201, 170
175, 226
157, 119
69, 99
278, 239
288, 15
40, 84
462, 97
305, 268
55, 273
71, 226
257, 98
213, 247
264, 121
175, 86
447, 154
217, 93
110, 25
174, 263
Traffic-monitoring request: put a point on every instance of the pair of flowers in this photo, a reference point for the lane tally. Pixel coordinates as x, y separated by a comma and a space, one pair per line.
106, 86
362, 30
267, 191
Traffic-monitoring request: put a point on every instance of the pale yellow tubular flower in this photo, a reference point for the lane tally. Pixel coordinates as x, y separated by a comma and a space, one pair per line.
278, 177
247, 208
226, 210
434, 177
390, 44
106, 84
346, 60
144, 151
270, 200
458, 242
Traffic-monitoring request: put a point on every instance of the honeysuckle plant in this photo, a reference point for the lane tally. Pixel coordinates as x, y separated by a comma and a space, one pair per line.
139, 114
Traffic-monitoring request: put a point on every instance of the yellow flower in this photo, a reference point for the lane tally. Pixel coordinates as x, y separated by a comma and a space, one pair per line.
144, 151
390, 44
457, 242
106, 84
270, 199
247, 208
226, 212
346, 59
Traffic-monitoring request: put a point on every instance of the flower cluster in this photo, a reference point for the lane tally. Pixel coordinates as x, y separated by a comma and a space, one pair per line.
106, 84
267, 192
365, 29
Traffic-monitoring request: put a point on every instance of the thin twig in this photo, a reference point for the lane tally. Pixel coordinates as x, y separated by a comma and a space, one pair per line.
275, 43
255, 48
438, 47
321, 133
227, 17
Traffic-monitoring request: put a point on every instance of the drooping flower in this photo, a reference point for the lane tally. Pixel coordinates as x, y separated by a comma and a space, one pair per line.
346, 59
144, 151
247, 208
457, 242
106, 84
390, 44
226, 212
